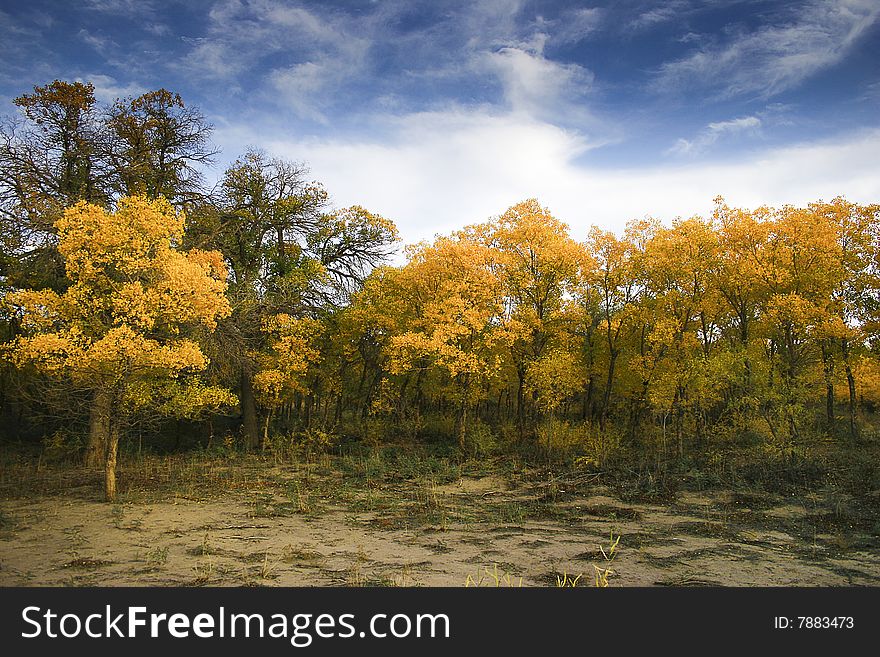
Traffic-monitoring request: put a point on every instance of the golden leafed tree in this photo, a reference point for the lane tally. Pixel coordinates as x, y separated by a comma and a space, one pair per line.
123, 330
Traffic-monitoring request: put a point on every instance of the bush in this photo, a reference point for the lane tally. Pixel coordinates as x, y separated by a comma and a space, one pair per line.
480, 441
437, 427
62, 446
284, 447
585, 443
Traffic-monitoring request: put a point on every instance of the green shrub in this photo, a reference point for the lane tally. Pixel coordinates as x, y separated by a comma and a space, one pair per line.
480, 440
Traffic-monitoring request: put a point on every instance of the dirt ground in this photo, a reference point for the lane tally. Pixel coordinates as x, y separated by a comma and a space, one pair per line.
275, 525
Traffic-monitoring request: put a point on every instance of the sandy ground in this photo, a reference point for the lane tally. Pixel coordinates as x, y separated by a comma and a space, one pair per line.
248, 537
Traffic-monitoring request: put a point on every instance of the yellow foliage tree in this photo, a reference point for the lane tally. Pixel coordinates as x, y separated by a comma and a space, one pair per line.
121, 328
284, 366
454, 324
539, 267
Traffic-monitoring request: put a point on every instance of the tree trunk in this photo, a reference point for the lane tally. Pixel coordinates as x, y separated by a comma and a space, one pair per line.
266, 429
110, 463
851, 384
461, 424
462, 415
606, 397
99, 427
249, 427
520, 399
828, 373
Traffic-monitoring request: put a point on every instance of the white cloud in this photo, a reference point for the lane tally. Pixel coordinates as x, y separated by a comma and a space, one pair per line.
300, 86
713, 132
774, 58
538, 86
577, 24
99, 43
442, 170
108, 89
656, 15
240, 34
123, 7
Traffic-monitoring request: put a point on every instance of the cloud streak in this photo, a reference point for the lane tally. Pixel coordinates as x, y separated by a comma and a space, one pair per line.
713, 132
774, 58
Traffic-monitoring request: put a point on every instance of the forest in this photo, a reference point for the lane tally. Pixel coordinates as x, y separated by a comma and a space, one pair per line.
145, 311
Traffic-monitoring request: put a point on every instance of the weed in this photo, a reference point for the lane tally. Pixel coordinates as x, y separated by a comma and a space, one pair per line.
602, 574
566, 581
301, 498
204, 549
493, 577
266, 569
293, 554
117, 512
158, 555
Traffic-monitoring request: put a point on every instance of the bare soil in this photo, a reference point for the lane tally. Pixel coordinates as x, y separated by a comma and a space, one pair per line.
260, 524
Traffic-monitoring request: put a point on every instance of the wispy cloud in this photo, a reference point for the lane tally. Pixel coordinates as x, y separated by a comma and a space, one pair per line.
330, 54
101, 44
241, 35
576, 25
656, 15
773, 58
245, 40
126, 8
713, 132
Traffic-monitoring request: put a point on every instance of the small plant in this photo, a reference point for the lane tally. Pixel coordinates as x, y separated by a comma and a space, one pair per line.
230, 444
301, 498
404, 578
298, 554
602, 574
355, 577
158, 555
480, 441
493, 577
266, 568
204, 549
567, 581
204, 572
117, 512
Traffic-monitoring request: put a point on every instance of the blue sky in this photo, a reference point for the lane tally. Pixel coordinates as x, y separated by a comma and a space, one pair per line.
438, 114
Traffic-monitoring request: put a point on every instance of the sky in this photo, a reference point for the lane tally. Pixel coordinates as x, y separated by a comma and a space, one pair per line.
438, 114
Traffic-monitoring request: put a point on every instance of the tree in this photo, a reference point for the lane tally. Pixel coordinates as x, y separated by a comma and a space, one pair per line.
455, 319
259, 222
616, 287
154, 145
50, 158
286, 362
538, 265
121, 327
679, 313
854, 299
287, 252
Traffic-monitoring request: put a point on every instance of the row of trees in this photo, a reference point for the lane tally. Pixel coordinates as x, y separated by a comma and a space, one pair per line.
137, 296
742, 321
